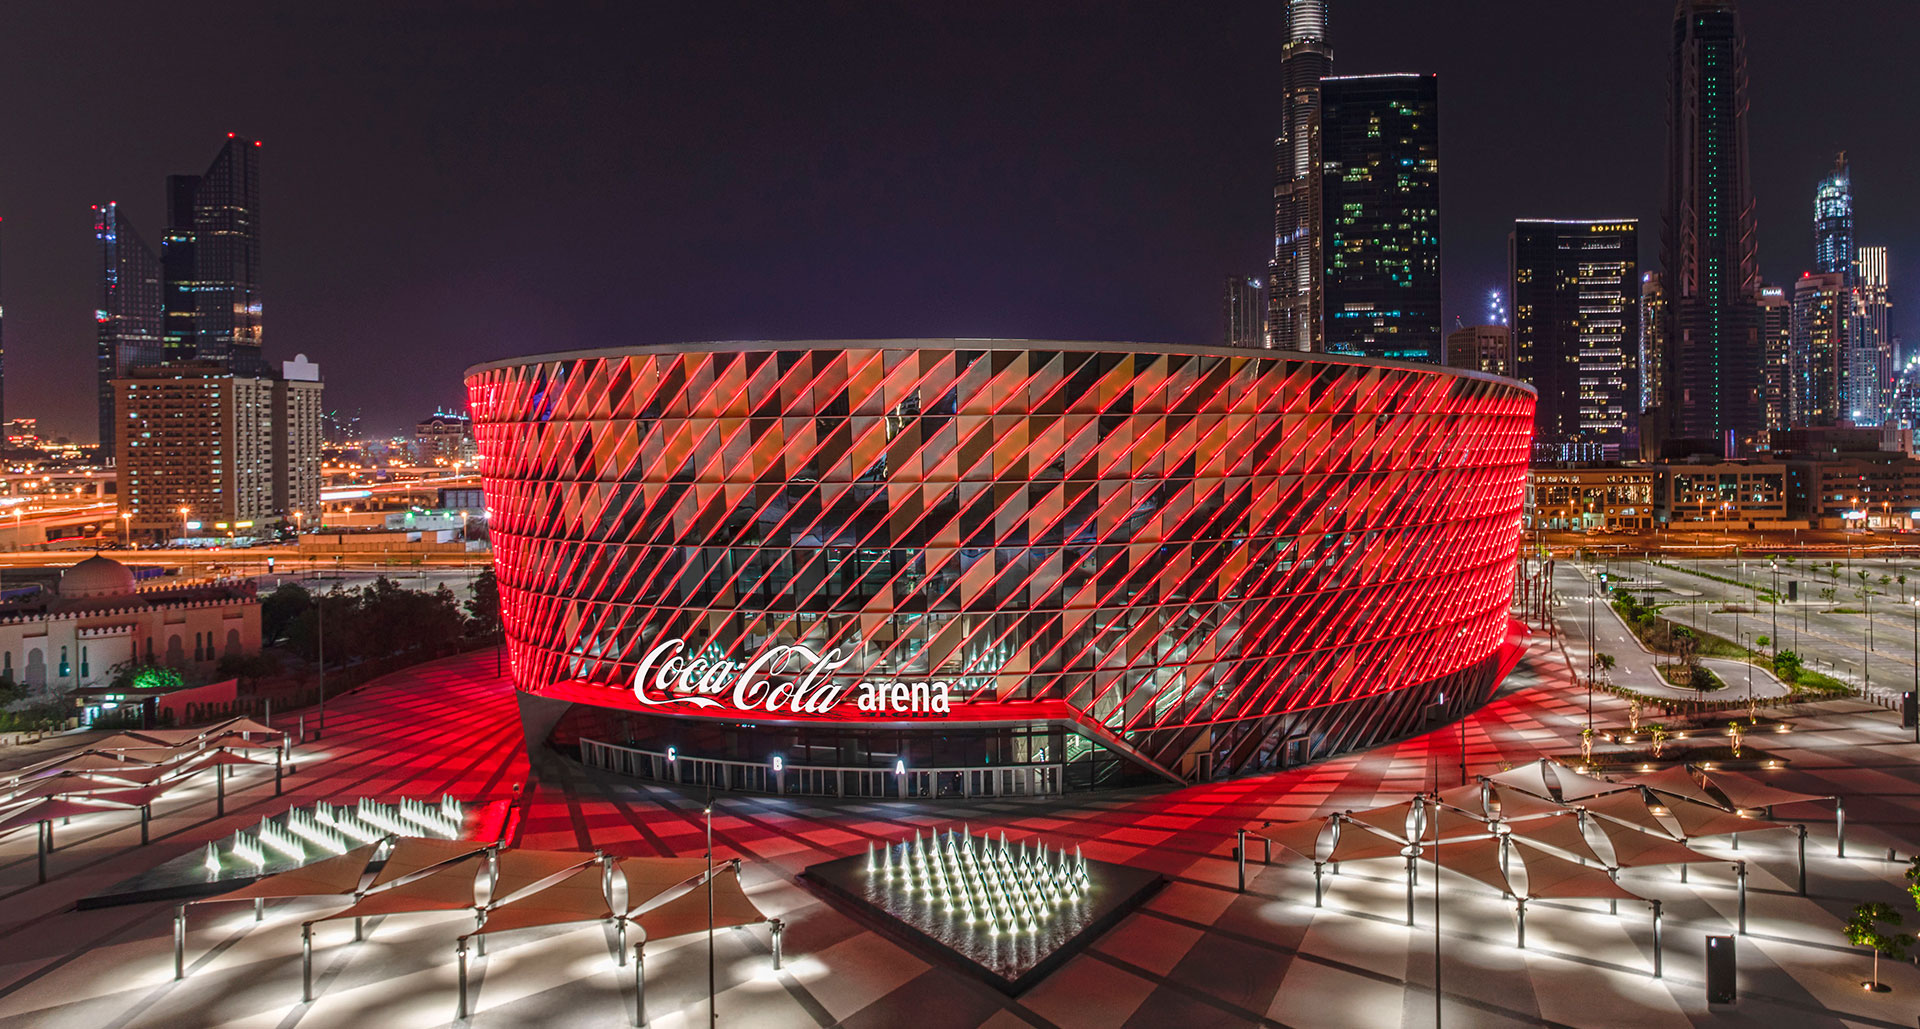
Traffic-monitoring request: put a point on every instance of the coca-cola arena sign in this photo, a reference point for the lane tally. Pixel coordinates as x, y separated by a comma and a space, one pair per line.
787, 678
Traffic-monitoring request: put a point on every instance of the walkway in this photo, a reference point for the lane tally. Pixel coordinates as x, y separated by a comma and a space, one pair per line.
1201, 953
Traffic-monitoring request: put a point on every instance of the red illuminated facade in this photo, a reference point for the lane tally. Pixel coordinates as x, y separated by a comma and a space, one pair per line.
1116, 557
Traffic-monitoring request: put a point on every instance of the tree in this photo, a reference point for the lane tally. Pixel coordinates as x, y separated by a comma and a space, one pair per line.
1606, 663
1863, 930
483, 609
131, 676
279, 609
1786, 665
1762, 641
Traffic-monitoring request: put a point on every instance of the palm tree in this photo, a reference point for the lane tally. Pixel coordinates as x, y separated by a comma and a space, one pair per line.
1606, 663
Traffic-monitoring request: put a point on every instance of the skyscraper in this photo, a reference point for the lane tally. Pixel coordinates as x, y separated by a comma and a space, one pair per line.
182, 332
127, 317
1380, 204
1576, 328
1833, 221
1294, 278
1483, 348
1653, 344
1776, 334
1868, 337
226, 256
3, 358
1709, 265
1819, 359
297, 435
1243, 312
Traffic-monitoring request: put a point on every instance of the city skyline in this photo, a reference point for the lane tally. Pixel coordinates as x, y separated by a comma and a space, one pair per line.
1123, 175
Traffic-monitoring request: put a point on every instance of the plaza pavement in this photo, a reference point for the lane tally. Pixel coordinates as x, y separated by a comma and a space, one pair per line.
1199, 954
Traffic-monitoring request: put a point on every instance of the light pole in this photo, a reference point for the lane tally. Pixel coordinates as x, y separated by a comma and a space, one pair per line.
1592, 647
320, 665
126, 528
1776, 607
184, 511
1916, 663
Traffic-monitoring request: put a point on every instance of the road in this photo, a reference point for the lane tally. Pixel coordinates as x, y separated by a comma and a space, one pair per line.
414, 571
1634, 666
1832, 635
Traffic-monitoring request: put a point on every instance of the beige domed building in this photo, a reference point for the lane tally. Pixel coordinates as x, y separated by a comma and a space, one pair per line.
98, 617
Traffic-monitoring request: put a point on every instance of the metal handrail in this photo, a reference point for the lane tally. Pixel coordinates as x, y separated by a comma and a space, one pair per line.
1029, 780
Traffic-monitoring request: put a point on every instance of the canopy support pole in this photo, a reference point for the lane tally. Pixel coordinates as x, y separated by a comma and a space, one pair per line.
620, 937
1410, 864
1317, 866
640, 983
460, 952
359, 929
1520, 906
1840, 827
779, 930
259, 908
220, 791
146, 817
306, 962
1741, 868
1656, 939
1802, 830
46, 844
179, 942
1240, 858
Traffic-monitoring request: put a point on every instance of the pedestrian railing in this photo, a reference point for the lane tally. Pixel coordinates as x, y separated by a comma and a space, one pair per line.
1034, 780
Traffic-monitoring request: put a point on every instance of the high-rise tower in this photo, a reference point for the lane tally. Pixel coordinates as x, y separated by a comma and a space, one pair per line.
1833, 221
176, 263
1380, 207
1576, 329
1294, 278
1243, 311
225, 292
3, 359
1871, 345
1710, 266
127, 317
1776, 327
1818, 350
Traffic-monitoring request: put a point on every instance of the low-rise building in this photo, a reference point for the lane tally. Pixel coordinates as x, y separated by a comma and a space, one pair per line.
1862, 489
1574, 499
97, 620
1724, 495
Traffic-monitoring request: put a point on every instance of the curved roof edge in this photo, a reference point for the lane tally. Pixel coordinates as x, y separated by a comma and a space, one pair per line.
963, 343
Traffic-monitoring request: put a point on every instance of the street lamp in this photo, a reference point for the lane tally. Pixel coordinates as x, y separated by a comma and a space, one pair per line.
1776, 606
184, 511
126, 527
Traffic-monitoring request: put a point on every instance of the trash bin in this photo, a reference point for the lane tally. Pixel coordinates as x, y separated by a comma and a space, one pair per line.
1721, 972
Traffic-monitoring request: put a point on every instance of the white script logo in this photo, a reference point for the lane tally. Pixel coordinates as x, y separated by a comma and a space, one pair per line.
783, 678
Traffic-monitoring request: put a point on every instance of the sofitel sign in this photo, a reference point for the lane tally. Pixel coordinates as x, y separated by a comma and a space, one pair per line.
791, 678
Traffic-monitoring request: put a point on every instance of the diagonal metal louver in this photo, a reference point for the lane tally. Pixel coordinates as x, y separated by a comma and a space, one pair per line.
1167, 548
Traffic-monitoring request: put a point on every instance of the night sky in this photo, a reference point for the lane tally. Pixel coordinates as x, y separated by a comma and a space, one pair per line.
532, 177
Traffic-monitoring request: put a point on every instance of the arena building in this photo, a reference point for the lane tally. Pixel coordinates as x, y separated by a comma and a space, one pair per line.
930, 567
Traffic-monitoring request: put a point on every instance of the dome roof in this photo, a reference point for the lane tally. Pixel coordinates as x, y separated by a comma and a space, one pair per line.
96, 577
